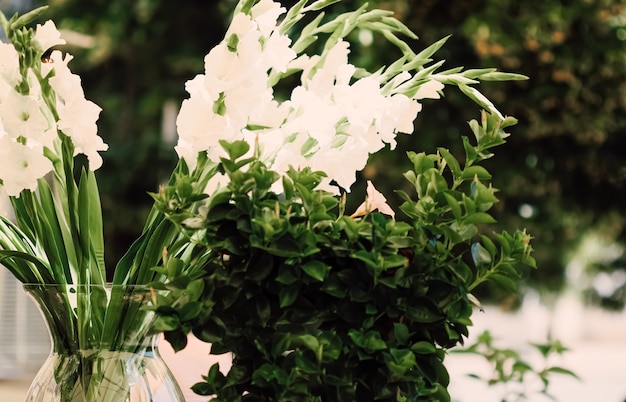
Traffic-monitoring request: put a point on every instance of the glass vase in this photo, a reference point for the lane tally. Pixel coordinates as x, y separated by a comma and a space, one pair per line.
103, 349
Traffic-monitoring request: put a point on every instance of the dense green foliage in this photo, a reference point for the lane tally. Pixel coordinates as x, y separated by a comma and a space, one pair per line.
317, 305
564, 167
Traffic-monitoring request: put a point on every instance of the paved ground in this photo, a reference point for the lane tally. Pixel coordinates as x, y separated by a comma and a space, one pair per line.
597, 341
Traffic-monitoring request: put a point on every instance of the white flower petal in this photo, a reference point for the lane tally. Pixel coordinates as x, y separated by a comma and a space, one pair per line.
47, 35
9, 67
21, 166
429, 90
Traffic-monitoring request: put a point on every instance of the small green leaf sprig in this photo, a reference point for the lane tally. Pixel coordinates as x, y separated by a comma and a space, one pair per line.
316, 305
521, 380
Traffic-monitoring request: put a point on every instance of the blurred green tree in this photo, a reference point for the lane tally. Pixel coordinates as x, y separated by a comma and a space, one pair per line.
562, 175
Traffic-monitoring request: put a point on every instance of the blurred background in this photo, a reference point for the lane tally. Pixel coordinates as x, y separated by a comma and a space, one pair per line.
562, 174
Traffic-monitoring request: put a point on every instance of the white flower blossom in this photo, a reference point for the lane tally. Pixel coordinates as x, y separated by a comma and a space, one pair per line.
398, 117
23, 116
322, 78
313, 115
9, 68
375, 200
429, 90
77, 115
66, 85
332, 121
47, 36
360, 102
200, 130
22, 166
240, 26
277, 53
233, 93
265, 13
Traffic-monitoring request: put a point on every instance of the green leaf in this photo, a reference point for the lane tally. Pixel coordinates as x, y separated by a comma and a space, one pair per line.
421, 161
477, 218
403, 361
166, 323
370, 341
331, 346
40, 273
470, 151
453, 164
562, 370
310, 342
401, 333
454, 204
394, 261
281, 344
502, 76
366, 257
261, 268
475, 171
177, 339
505, 282
423, 311
335, 287
306, 365
235, 149
423, 348
203, 388
425, 54
316, 269
288, 295
191, 310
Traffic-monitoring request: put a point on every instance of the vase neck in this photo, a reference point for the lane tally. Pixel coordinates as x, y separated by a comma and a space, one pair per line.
95, 318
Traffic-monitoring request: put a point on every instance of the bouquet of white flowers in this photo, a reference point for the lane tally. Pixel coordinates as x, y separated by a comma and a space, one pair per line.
249, 239
316, 304
51, 222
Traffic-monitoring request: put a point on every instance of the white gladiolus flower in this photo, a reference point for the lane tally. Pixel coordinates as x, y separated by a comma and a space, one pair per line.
234, 92
9, 68
322, 78
360, 102
22, 166
22, 116
221, 66
429, 90
277, 53
398, 117
265, 13
240, 26
340, 164
66, 85
332, 120
269, 114
77, 119
47, 35
312, 114
202, 130
242, 100
77, 115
